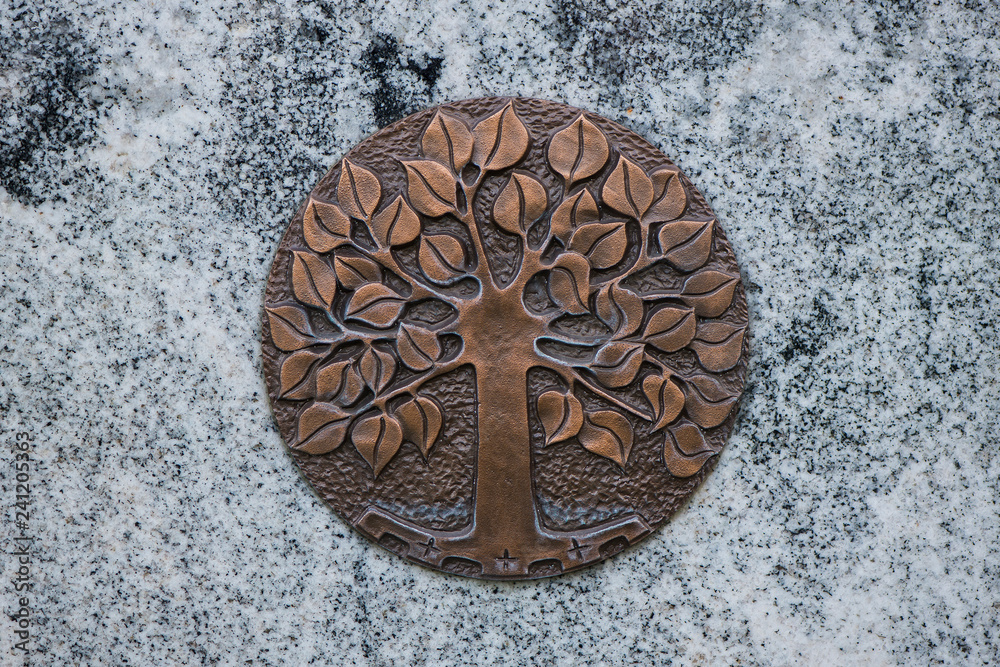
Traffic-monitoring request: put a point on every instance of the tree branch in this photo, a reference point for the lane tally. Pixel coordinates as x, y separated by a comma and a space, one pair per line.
483, 271
415, 382
645, 259
571, 374
664, 368
421, 288
531, 264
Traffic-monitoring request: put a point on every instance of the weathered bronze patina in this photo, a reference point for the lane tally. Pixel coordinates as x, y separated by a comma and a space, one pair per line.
505, 338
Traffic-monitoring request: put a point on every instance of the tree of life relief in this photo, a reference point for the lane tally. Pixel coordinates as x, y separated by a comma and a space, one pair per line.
505, 338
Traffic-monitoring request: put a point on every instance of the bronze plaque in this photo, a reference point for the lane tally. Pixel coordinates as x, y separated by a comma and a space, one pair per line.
505, 338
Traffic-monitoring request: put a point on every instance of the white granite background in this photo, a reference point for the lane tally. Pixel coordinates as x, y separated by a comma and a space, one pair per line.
152, 152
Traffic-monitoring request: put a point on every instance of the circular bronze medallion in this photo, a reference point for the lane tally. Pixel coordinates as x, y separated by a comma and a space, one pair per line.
505, 338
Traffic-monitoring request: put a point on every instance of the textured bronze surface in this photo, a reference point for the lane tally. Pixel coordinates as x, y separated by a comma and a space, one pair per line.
505, 338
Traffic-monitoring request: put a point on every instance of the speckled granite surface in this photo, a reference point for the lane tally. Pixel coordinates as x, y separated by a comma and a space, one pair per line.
151, 154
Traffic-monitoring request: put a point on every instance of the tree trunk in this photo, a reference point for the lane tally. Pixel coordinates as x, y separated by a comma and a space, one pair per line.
506, 538
505, 517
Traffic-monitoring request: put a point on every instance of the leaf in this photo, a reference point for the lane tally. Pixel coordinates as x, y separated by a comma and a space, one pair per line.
376, 305
325, 226
716, 332
606, 308
377, 368
628, 189
354, 384
572, 212
604, 243
377, 439
706, 402
290, 328
431, 187
421, 420
520, 203
561, 416
418, 348
668, 195
447, 140
709, 292
321, 428
620, 309
564, 293
666, 398
718, 345
500, 140
313, 282
670, 328
330, 379
441, 257
686, 244
617, 363
608, 434
689, 438
353, 272
569, 283
395, 225
358, 191
685, 450
294, 373
578, 151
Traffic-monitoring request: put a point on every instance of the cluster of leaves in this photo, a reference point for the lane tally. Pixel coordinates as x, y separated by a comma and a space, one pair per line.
352, 275
351, 376
589, 231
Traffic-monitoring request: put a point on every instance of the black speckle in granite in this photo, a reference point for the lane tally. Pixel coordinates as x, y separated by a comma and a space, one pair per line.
390, 100
314, 31
53, 110
700, 35
811, 330
381, 60
429, 72
895, 24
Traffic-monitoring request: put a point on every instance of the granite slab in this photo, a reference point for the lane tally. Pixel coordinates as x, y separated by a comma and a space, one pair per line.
151, 155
